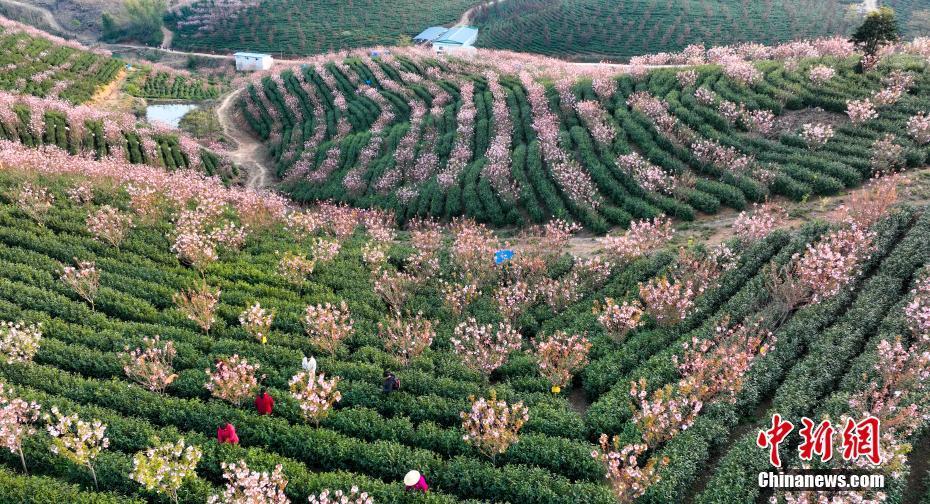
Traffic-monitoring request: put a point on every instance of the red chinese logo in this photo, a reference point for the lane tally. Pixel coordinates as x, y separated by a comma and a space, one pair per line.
773, 437
816, 440
860, 439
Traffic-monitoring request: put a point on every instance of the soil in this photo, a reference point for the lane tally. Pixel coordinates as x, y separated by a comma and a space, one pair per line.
250, 153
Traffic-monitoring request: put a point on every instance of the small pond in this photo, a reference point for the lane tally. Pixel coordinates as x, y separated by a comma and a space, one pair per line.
168, 113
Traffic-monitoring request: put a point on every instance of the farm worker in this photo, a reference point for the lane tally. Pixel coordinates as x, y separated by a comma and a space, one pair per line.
309, 365
264, 403
415, 481
391, 383
226, 433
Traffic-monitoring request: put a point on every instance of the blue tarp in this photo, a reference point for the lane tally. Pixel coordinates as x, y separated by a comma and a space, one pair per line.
502, 256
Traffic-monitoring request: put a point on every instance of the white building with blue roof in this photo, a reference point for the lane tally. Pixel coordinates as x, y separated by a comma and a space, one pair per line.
252, 62
445, 39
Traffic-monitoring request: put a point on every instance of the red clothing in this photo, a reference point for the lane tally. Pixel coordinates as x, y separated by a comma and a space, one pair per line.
420, 486
227, 434
264, 403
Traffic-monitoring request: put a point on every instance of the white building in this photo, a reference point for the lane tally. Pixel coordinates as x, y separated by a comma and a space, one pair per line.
457, 38
250, 62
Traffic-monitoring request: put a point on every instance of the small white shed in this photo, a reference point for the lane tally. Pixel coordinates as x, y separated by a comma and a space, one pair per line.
251, 62
456, 39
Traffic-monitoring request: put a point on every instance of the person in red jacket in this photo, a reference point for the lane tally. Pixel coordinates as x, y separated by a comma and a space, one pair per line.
414, 481
264, 403
226, 433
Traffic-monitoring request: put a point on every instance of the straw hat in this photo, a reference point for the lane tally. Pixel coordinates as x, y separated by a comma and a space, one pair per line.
412, 478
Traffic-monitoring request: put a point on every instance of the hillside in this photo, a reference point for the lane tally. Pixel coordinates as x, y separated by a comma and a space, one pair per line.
444, 138
295, 27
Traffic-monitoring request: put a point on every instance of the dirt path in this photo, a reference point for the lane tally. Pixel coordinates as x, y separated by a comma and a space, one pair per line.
466, 16
167, 36
250, 153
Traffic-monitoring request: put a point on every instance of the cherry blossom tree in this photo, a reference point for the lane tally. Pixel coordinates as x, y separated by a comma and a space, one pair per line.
816, 135
34, 201
457, 296
642, 237
354, 496
918, 128
394, 287
667, 301
821, 74
233, 379
19, 342
887, 155
314, 394
860, 111
917, 311
760, 222
512, 299
17, 419
328, 325
199, 304
75, 439
686, 78
151, 364
627, 479
245, 486
619, 319
484, 347
560, 356
257, 321
109, 225
81, 193
295, 268
407, 338
864, 208
492, 425
84, 280
164, 468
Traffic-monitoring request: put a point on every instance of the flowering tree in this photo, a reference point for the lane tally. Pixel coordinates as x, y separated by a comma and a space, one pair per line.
492, 426
864, 208
649, 176
315, 394
76, 440
917, 311
151, 365
109, 225
687, 78
481, 347
860, 111
457, 296
244, 486
81, 194
627, 479
394, 287
821, 74
407, 339
17, 417
19, 342
666, 301
354, 496
619, 319
816, 135
257, 321
163, 468
560, 356
84, 280
642, 237
887, 155
34, 201
233, 379
199, 305
327, 325
758, 224
295, 268
918, 128
831, 264
514, 298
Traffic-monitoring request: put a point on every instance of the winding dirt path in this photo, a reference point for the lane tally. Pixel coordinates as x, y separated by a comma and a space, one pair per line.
466, 16
250, 153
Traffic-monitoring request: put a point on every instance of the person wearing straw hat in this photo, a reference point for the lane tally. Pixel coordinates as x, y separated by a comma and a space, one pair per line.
415, 481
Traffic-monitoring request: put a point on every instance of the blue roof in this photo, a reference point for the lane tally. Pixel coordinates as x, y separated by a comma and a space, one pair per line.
431, 33
463, 35
251, 55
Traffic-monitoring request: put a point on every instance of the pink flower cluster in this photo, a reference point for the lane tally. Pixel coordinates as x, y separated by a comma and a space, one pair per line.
484, 347
492, 425
17, 418
860, 111
354, 496
726, 158
109, 225
831, 264
649, 176
865, 207
918, 128
199, 304
245, 486
758, 224
328, 325
816, 135
314, 394
233, 379
19, 342
741, 71
151, 364
257, 321
560, 356
407, 338
687, 78
821, 74
619, 319
84, 280
887, 155
642, 237
34, 201
917, 310
627, 479
596, 120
